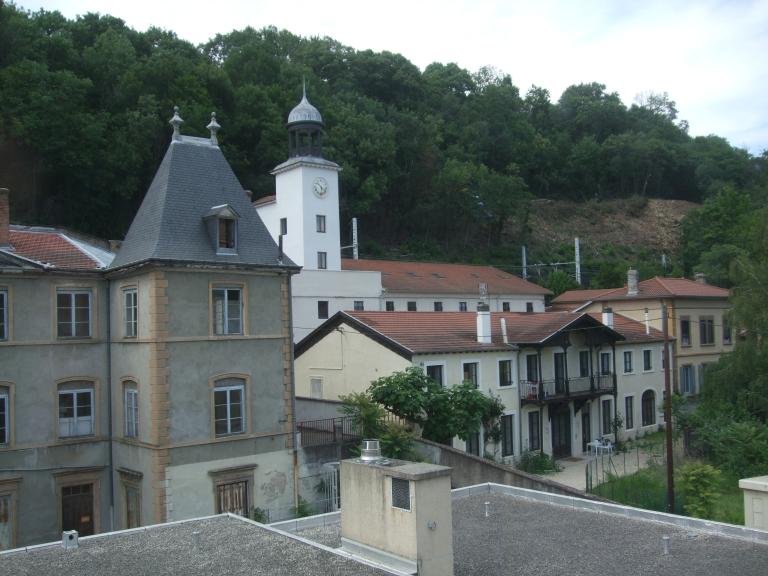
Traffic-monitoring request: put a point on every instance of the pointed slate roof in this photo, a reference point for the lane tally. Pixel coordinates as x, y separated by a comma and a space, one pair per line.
170, 226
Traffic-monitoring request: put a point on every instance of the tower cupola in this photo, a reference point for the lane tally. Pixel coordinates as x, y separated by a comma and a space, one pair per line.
305, 130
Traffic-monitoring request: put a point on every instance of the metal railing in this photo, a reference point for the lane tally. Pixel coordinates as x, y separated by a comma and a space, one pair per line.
329, 431
565, 387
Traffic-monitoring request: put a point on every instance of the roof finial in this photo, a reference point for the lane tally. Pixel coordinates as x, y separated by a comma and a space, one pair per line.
176, 122
303, 87
213, 126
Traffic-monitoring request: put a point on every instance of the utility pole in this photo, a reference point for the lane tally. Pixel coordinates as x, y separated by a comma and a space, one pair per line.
578, 260
668, 413
525, 263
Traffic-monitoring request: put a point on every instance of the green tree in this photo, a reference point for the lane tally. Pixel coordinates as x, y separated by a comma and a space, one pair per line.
559, 281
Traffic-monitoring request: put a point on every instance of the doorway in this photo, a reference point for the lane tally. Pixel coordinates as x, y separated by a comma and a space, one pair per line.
561, 430
77, 509
586, 428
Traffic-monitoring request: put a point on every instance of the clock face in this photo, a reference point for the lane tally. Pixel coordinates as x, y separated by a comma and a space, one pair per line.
320, 187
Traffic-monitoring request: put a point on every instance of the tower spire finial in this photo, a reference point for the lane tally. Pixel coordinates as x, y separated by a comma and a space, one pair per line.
213, 126
176, 122
304, 87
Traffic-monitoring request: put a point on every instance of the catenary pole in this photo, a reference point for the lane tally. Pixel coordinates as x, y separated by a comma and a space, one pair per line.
668, 413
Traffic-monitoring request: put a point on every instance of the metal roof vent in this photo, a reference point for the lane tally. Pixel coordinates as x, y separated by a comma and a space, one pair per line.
69, 539
371, 451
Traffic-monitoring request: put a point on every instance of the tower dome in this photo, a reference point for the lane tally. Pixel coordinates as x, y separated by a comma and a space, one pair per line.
305, 129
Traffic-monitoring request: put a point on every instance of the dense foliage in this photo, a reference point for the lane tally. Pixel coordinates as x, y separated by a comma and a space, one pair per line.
435, 162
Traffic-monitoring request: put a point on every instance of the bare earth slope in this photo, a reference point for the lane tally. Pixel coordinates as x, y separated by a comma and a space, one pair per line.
620, 222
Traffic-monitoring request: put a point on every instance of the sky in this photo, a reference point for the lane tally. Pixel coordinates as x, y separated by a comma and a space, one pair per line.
711, 57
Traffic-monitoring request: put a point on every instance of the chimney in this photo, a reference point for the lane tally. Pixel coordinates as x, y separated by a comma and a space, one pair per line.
700, 277
647, 322
632, 282
608, 317
504, 330
69, 540
399, 514
483, 324
5, 218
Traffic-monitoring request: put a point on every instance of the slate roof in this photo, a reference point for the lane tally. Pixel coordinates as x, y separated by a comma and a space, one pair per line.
409, 333
55, 249
658, 287
437, 278
193, 177
226, 545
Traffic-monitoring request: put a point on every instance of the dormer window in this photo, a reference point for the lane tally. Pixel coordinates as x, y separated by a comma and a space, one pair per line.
222, 228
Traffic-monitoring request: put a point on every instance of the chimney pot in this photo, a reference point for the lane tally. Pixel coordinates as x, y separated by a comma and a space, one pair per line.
69, 539
632, 278
608, 317
5, 218
700, 277
371, 452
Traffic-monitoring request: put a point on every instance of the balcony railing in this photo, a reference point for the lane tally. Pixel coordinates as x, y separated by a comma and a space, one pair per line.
561, 388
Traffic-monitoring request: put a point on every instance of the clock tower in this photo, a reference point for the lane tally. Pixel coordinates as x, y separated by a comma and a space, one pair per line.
305, 207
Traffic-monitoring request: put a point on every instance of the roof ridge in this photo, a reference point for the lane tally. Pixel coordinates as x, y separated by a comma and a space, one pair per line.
660, 280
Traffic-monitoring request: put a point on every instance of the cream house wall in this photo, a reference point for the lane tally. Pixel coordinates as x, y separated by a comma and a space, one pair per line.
450, 302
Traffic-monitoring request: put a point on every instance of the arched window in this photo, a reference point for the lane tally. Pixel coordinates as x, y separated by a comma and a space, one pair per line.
649, 408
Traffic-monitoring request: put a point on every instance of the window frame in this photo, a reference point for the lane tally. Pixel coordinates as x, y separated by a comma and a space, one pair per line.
529, 307
478, 378
76, 387
358, 306
130, 425
651, 406
9, 488
584, 369
130, 480
690, 382
226, 288
73, 292
499, 383
320, 224
130, 313
223, 383
706, 330
603, 371
629, 412
685, 332
322, 260
5, 313
226, 229
442, 366
67, 479
283, 226
647, 360
505, 307
437, 306
727, 330
6, 420
411, 306
322, 309
534, 415
319, 380
231, 476
462, 306
628, 361
389, 306
505, 441
528, 368
606, 416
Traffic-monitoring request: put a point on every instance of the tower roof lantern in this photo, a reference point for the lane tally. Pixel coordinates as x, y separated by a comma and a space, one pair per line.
304, 112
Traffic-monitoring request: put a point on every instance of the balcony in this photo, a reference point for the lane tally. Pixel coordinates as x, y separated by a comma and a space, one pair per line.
560, 389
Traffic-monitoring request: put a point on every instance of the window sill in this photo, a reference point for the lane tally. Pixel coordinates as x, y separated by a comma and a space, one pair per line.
233, 435
707, 345
230, 336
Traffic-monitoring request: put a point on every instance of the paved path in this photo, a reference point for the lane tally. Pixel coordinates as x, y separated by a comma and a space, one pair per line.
573, 471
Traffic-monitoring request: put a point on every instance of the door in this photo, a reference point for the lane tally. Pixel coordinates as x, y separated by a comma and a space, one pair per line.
559, 373
586, 429
561, 430
77, 509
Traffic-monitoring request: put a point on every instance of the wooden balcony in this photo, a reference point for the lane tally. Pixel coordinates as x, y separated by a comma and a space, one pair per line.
559, 390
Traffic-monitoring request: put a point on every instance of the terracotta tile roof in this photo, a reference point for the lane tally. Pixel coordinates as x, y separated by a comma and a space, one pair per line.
265, 200
53, 248
436, 278
632, 330
657, 287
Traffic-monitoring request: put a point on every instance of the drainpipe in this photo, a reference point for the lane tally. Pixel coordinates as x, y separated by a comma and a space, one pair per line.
109, 408
294, 429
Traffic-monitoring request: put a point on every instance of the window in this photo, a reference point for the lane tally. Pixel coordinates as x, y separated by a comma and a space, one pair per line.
584, 363
390, 306
76, 409
130, 312
322, 260
687, 379
649, 408
529, 306
532, 367
359, 306
316, 387
77, 509
8, 492
627, 361
629, 412
411, 306
227, 228
5, 418
706, 330
73, 313
647, 360
435, 371
607, 417
131, 410
685, 331
232, 497
469, 373
605, 363
462, 306
322, 309
438, 306
727, 338
473, 444
132, 499
283, 226
505, 372
227, 311
508, 435
228, 407
3, 314
505, 306
401, 493
534, 431
320, 223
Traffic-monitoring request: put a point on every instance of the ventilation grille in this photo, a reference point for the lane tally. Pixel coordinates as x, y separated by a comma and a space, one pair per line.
401, 494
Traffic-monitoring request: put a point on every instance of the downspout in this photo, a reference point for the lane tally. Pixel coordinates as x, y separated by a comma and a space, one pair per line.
519, 404
109, 409
615, 393
294, 429
541, 396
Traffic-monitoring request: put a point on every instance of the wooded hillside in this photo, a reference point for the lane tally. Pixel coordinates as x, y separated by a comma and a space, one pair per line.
434, 162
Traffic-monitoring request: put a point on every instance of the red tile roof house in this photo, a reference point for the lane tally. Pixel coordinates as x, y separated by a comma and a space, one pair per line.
563, 378
697, 318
